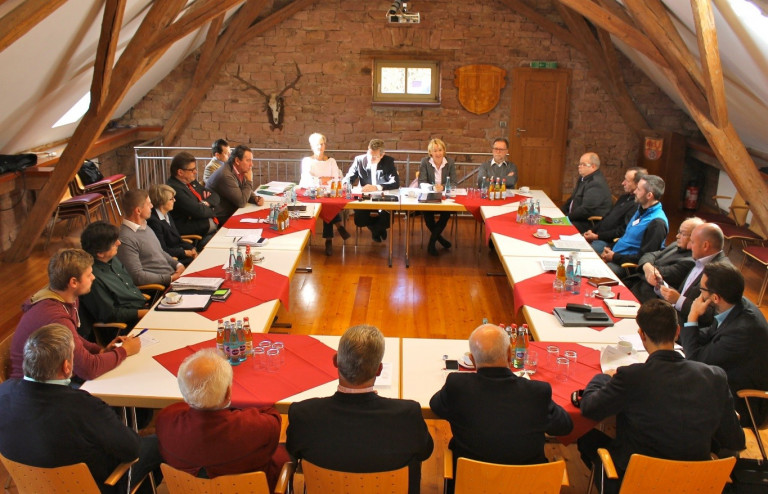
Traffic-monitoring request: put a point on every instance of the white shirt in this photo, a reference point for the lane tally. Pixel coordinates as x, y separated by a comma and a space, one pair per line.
438, 170
695, 272
373, 167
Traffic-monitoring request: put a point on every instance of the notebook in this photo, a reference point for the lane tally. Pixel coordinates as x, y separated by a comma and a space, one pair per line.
569, 318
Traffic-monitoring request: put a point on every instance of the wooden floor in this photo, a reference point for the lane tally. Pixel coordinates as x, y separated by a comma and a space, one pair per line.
443, 297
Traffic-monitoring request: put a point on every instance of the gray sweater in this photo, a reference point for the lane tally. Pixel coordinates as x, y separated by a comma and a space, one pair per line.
144, 258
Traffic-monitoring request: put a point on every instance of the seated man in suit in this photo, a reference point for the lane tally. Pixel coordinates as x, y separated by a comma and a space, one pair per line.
113, 296
667, 407
356, 430
234, 183
482, 432
706, 246
47, 423
163, 199
591, 196
614, 224
671, 264
140, 250
205, 437
737, 341
220, 151
646, 230
498, 166
195, 210
70, 275
376, 172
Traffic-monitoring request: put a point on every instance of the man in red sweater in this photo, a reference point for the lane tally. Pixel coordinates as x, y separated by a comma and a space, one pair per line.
70, 274
207, 438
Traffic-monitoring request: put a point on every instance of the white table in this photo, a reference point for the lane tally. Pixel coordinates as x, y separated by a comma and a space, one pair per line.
141, 381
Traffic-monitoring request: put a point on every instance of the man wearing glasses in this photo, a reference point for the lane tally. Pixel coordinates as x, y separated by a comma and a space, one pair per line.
737, 341
194, 211
591, 196
499, 166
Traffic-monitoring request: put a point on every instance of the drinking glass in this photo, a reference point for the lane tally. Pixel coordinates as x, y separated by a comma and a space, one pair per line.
273, 360
571, 356
562, 369
552, 353
279, 345
531, 363
259, 358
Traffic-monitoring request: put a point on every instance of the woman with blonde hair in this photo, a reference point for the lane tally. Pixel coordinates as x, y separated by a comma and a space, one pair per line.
434, 172
323, 169
163, 198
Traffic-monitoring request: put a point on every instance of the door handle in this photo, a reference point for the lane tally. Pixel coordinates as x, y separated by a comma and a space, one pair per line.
519, 131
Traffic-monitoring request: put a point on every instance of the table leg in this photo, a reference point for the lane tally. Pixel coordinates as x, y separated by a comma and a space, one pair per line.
391, 236
407, 240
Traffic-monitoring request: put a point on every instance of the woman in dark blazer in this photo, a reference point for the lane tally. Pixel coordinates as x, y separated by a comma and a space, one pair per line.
433, 174
163, 197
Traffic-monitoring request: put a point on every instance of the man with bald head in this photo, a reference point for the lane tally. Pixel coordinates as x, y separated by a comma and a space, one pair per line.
479, 406
706, 246
591, 196
206, 437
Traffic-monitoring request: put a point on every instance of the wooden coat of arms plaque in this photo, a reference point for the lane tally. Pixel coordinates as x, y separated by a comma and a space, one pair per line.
479, 87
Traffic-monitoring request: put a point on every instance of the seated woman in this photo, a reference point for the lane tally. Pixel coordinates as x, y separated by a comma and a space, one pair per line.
323, 169
433, 173
163, 197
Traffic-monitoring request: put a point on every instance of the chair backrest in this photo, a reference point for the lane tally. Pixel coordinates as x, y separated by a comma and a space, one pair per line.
756, 428
321, 481
738, 210
5, 357
33, 480
646, 474
182, 482
478, 477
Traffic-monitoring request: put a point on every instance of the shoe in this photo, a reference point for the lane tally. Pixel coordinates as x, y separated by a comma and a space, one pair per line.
432, 250
376, 238
384, 234
445, 243
328, 247
343, 232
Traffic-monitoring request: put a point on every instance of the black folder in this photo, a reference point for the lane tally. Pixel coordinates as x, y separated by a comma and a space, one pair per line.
570, 318
431, 197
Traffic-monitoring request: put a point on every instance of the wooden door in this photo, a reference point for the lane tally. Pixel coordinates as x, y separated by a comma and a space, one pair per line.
538, 126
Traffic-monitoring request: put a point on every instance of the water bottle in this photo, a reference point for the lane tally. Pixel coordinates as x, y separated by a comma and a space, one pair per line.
349, 191
232, 260
521, 348
569, 275
447, 185
483, 189
577, 278
234, 345
241, 341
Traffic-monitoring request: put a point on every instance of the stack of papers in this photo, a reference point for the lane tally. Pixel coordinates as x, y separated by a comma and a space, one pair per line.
197, 283
274, 188
626, 309
611, 358
570, 242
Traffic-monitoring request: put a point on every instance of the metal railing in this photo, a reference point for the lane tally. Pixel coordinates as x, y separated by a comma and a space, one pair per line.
153, 161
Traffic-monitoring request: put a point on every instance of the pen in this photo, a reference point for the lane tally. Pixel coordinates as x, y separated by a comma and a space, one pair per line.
141, 332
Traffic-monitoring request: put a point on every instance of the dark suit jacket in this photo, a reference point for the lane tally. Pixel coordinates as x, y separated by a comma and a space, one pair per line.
739, 346
693, 293
50, 425
667, 407
360, 433
169, 237
233, 193
673, 263
190, 215
498, 417
386, 172
427, 172
591, 197
614, 224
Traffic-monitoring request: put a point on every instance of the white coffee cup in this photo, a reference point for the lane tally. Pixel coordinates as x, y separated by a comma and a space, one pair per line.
604, 291
411, 193
525, 190
172, 297
541, 232
624, 347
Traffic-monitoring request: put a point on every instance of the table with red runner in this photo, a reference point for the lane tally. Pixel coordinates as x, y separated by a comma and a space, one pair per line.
265, 286
473, 204
537, 292
506, 224
296, 225
331, 205
308, 364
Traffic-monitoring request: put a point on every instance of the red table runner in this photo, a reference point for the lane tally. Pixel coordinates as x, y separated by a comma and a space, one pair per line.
506, 224
308, 364
266, 285
537, 292
473, 204
331, 205
297, 225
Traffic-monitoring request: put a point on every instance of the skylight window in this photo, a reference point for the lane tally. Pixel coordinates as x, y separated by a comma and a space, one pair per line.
76, 112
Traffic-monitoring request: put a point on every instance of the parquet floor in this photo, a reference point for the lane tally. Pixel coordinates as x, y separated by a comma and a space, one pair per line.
443, 297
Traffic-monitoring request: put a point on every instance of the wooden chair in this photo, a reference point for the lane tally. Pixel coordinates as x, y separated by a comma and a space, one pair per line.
743, 234
82, 206
646, 474
253, 482
757, 394
735, 215
759, 254
70, 478
478, 477
322, 481
110, 187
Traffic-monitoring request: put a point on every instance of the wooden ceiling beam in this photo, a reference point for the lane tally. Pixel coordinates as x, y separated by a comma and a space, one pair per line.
207, 51
24, 17
617, 9
714, 85
133, 59
111, 24
618, 28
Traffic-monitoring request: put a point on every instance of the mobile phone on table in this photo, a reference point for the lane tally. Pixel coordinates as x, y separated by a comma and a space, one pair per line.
221, 294
451, 365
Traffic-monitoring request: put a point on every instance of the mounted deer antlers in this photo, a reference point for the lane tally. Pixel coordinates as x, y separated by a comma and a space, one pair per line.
273, 103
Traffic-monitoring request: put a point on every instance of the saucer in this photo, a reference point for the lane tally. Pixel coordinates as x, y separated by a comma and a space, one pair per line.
541, 236
168, 302
466, 362
597, 294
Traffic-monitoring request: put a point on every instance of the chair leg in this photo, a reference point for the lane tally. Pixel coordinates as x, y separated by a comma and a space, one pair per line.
762, 289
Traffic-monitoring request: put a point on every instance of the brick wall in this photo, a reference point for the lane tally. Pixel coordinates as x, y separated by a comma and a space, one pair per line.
328, 41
